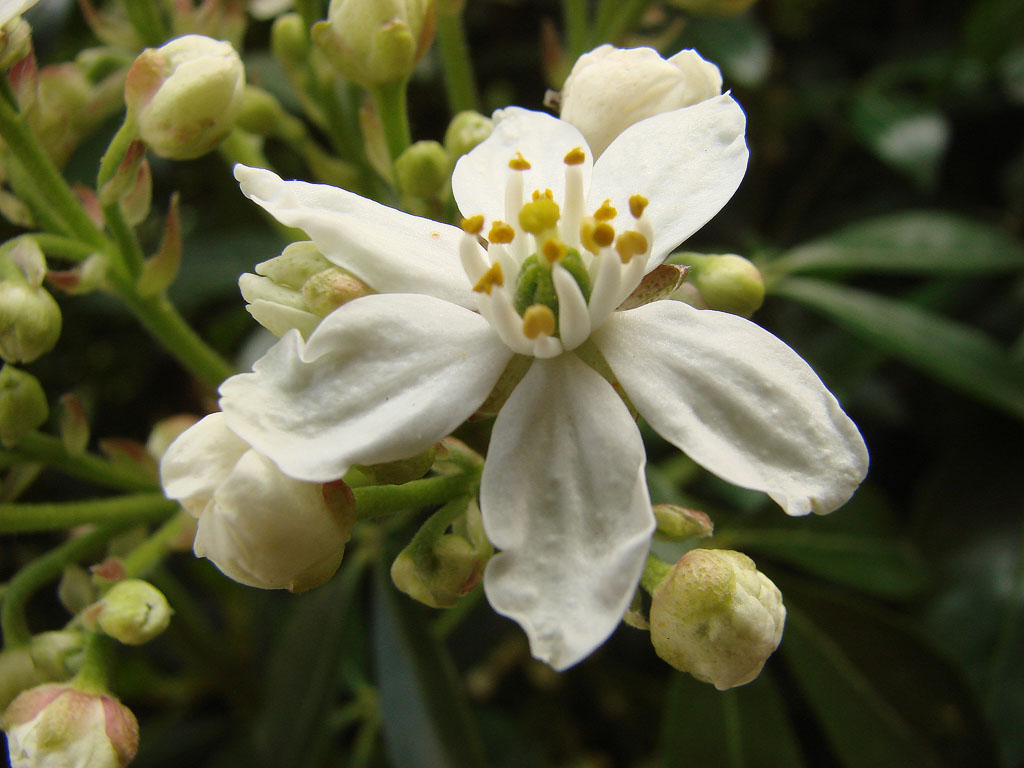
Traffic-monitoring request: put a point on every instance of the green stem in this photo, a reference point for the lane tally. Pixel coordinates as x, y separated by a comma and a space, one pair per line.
24, 187
394, 116
124, 236
116, 151
58, 515
62, 247
655, 572
615, 18
574, 16
455, 61
422, 545
149, 554
94, 674
380, 500
43, 570
311, 11
49, 450
145, 16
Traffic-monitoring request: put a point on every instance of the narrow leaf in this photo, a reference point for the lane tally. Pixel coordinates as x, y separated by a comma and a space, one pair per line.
159, 270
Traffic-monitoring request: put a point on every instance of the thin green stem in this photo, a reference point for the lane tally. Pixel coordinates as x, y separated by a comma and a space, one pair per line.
58, 515
151, 553
618, 17
39, 447
128, 247
453, 48
42, 214
116, 151
392, 109
574, 17
43, 570
94, 674
62, 247
655, 572
380, 500
145, 16
422, 545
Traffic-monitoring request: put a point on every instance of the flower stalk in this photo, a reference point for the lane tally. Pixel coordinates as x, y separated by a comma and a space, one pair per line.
55, 516
454, 51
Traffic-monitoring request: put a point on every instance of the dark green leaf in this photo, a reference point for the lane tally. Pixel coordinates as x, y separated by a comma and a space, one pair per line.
914, 241
955, 354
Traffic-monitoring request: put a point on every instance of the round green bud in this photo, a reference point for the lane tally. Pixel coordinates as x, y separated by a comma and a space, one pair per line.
401, 471
262, 113
423, 170
438, 578
728, 283
680, 524
465, 131
57, 654
30, 321
132, 611
289, 40
23, 405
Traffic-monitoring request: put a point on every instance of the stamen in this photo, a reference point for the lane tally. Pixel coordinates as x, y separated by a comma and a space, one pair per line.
519, 163
575, 156
474, 225
538, 320
553, 250
637, 203
629, 244
573, 202
596, 235
492, 277
539, 216
537, 194
606, 212
500, 233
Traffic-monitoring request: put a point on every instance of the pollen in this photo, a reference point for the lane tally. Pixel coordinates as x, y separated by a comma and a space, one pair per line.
606, 212
630, 243
538, 320
637, 203
492, 277
501, 233
575, 156
595, 234
554, 250
538, 216
473, 225
519, 163
537, 194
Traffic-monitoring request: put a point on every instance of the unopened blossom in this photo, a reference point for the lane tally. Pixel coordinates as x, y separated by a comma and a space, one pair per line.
257, 525
563, 492
610, 89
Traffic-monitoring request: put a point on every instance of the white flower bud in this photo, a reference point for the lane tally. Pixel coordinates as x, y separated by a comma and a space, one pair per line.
717, 617
610, 89
57, 725
132, 612
185, 95
259, 526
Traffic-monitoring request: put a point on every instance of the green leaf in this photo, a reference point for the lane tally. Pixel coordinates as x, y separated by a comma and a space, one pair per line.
882, 695
915, 241
741, 727
424, 713
992, 27
955, 354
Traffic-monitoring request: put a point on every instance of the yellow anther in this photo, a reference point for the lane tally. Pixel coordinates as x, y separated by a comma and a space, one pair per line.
537, 194
473, 225
519, 163
492, 277
595, 234
605, 212
630, 243
539, 216
537, 320
575, 156
553, 250
637, 203
500, 233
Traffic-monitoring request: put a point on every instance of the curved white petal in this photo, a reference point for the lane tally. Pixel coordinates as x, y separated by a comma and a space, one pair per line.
478, 182
198, 460
739, 401
565, 499
687, 163
388, 250
381, 378
279, 319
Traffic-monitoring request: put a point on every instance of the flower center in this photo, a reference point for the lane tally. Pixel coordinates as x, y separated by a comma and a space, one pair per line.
552, 273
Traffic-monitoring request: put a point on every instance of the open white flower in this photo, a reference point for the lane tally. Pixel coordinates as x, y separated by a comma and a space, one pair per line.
563, 492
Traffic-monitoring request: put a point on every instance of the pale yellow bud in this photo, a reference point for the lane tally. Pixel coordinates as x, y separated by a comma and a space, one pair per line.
728, 283
132, 612
23, 405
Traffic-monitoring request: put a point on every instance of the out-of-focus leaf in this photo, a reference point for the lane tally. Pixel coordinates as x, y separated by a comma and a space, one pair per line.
914, 241
745, 726
955, 354
992, 27
424, 713
738, 45
881, 694
301, 674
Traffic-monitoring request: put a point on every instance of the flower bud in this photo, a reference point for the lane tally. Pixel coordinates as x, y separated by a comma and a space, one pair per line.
262, 113
465, 131
423, 170
185, 95
680, 524
132, 612
57, 654
56, 724
610, 89
728, 283
15, 34
717, 617
376, 42
712, 7
23, 405
30, 319
258, 526
401, 471
18, 672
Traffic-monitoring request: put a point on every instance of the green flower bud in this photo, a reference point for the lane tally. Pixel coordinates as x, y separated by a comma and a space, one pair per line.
15, 42
289, 40
56, 724
18, 672
185, 95
441, 576
262, 113
30, 322
680, 524
401, 471
728, 283
423, 170
132, 612
57, 654
376, 42
23, 405
717, 617
465, 131
712, 7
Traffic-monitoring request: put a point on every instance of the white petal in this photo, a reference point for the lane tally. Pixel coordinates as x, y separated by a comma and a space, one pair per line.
279, 319
739, 401
573, 315
198, 460
687, 163
388, 250
478, 182
565, 499
381, 378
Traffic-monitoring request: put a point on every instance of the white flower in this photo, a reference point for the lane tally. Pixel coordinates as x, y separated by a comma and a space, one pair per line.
563, 492
258, 526
610, 89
